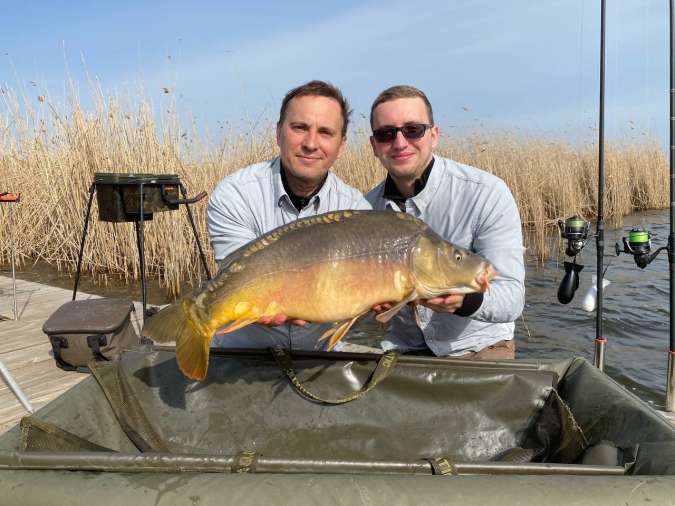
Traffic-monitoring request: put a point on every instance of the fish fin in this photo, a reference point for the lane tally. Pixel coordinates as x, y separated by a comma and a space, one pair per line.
391, 312
340, 333
174, 323
328, 333
237, 324
192, 356
342, 330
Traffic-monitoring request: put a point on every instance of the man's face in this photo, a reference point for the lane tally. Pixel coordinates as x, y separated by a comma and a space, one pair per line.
404, 159
310, 137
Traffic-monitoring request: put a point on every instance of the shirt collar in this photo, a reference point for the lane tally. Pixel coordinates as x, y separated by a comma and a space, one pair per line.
277, 183
391, 191
280, 192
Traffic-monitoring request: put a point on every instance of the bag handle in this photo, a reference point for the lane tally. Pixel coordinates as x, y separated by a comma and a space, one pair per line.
384, 367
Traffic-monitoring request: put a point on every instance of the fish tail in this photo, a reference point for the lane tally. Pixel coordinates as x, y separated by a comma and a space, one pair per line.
178, 323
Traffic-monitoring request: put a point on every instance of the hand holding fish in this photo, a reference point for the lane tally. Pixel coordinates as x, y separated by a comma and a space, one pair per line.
279, 319
441, 304
444, 304
275, 321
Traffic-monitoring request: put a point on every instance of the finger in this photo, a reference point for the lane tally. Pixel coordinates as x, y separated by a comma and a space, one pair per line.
454, 299
299, 323
441, 308
378, 308
279, 319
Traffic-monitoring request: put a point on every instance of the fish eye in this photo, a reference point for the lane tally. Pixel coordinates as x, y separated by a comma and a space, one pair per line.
458, 257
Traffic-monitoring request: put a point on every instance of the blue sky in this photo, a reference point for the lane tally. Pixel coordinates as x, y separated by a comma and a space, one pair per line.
521, 66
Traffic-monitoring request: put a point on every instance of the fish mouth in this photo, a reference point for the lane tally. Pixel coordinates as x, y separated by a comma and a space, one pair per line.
483, 278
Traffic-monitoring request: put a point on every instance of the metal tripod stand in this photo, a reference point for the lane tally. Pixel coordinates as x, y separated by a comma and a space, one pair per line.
133, 206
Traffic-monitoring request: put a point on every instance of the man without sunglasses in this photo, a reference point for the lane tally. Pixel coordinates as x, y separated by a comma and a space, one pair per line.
464, 205
311, 134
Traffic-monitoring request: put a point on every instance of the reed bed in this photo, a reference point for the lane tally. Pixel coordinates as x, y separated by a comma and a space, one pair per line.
49, 153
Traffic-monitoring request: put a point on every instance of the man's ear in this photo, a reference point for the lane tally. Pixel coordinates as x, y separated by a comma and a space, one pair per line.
372, 144
435, 133
279, 135
343, 145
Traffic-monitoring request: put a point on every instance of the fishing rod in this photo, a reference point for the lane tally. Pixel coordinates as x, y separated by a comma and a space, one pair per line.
670, 376
575, 229
638, 243
600, 341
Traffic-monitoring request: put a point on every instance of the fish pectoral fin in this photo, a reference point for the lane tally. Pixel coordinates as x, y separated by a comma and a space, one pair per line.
390, 313
341, 330
236, 325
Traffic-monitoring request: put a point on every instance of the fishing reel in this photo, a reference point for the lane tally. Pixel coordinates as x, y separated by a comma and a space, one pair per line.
639, 244
575, 231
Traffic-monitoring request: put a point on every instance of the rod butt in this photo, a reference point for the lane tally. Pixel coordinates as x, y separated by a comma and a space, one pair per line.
670, 383
599, 355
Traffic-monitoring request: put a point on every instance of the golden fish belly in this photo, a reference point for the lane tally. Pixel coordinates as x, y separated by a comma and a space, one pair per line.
322, 292
335, 291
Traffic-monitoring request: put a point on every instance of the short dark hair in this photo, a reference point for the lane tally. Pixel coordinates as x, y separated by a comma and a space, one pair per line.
318, 89
401, 91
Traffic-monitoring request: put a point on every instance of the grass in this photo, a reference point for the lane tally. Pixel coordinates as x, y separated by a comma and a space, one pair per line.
50, 152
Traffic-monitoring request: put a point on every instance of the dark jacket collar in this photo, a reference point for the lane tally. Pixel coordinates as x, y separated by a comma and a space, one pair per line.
392, 192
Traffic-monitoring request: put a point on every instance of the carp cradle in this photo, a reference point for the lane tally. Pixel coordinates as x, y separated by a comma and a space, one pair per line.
439, 428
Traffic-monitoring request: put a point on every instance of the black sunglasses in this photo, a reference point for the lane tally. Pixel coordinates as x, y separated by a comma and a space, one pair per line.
409, 131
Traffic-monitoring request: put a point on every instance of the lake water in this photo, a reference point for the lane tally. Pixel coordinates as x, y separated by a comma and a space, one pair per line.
635, 310
635, 313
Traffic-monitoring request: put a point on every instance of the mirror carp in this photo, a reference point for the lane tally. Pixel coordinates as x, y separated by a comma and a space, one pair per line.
333, 267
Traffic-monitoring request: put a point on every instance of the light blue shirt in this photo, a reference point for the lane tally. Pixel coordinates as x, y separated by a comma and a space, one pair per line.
475, 210
251, 202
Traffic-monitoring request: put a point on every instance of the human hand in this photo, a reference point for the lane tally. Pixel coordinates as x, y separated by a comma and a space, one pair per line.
382, 307
279, 319
444, 303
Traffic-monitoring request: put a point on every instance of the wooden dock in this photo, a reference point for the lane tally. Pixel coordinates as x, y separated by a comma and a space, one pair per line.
26, 351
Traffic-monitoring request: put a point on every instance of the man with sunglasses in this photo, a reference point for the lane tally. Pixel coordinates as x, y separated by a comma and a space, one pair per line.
464, 205
311, 134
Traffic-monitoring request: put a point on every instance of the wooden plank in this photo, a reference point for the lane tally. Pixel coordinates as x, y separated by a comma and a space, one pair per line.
26, 351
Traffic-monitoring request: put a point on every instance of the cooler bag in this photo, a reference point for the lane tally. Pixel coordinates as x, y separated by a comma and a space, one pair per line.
84, 330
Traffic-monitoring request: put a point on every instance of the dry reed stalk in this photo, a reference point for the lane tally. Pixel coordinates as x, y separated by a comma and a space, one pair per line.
51, 153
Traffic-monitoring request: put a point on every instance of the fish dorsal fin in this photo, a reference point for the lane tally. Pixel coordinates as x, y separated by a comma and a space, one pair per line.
274, 235
390, 313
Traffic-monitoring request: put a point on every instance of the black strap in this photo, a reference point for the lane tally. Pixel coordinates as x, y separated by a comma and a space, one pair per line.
95, 342
384, 366
59, 343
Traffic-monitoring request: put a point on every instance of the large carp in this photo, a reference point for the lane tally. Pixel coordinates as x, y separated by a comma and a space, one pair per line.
332, 267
